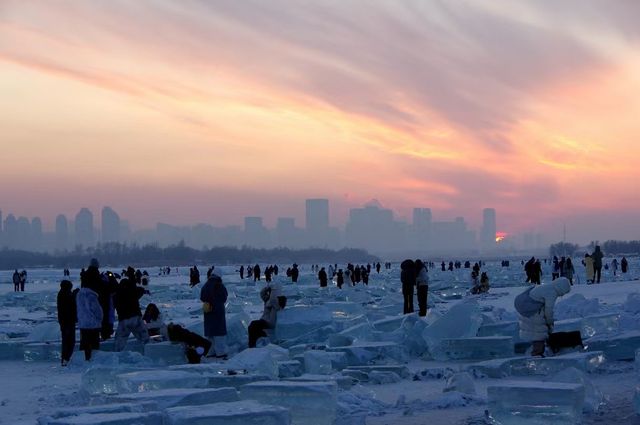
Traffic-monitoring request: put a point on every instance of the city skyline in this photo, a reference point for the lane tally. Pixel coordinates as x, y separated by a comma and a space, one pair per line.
371, 227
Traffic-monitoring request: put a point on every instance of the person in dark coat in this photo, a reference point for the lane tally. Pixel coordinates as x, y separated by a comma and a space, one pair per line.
213, 296
256, 272
16, 281
597, 262
272, 304
624, 265
322, 277
89, 310
241, 272
106, 290
127, 302
340, 278
294, 273
67, 318
422, 285
408, 279
196, 346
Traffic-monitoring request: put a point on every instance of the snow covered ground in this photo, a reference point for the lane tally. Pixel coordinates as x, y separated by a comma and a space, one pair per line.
389, 369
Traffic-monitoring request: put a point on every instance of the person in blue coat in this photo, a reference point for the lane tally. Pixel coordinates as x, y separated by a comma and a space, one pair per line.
214, 296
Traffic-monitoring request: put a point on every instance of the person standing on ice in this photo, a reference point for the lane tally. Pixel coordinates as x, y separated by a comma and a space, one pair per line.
597, 262
422, 284
568, 270
322, 277
294, 273
89, 310
67, 318
214, 296
340, 278
408, 279
256, 272
614, 266
127, 302
535, 307
588, 264
624, 265
16, 281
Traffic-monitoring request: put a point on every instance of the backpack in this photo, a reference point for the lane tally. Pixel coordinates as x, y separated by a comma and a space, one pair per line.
527, 306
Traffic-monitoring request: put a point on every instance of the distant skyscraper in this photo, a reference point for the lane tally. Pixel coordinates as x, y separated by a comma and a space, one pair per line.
488, 233
286, 232
422, 218
62, 232
110, 225
84, 228
10, 231
36, 234
23, 240
255, 233
420, 236
317, 222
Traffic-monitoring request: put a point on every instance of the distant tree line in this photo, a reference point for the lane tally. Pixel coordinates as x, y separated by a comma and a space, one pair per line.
621, 247
563, 249
117, 254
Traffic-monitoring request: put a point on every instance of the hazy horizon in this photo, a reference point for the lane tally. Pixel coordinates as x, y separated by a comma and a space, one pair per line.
207, 112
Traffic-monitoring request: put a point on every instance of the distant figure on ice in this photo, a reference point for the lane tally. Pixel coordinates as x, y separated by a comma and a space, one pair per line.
556, 268
256, 272
241, 272
213, 296
568, 270
378, 267
294, 273
408, 279
589, 268
528, 269
67, 318
624, 265
127, 302
614, 266
322, 277
422, 285
340, 279
272, 304
535, 307
482, 284
536, 272
194, 276
16, 281
89, 310
107, 287
443, 266
597, 262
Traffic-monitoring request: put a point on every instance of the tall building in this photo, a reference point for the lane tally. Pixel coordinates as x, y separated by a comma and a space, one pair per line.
23, 239
10, 231
286, 232
371, 228
255, 234
84, 228
488, 232
62, 233
317, 222
420, 235
110, 225
36, 234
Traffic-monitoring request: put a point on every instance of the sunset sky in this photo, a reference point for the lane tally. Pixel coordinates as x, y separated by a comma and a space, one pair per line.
207, 111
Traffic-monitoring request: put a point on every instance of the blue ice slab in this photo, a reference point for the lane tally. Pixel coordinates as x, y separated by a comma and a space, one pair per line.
535, 402
289, 368
174, 397
616, 347
299, 320
41, 352
588, 362
146, 406
476, 348
165, 353
321, 362
11, 350
234, 413
511, 329
310, 403
124, 418
400, 370
150, 380
365, 353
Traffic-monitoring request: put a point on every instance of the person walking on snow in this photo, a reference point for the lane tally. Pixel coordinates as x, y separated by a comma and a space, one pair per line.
214, 296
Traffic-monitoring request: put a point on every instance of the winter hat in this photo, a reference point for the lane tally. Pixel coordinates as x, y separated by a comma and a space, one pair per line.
563, 286
66, 284
94, 263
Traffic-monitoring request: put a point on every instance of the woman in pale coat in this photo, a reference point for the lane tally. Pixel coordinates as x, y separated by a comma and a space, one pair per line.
588, 264
89, 319
537, 327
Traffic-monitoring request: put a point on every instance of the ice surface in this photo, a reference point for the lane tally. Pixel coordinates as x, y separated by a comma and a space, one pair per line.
182, 396
461, 382
511, 329
616, 347
400, 370
41, 351
165, 353
337, 340
324, 362
125, 418
11, 350
576, 306
632, 304
146, 406
149, 380
479, 348
379, 377
295, 321
310, 403
535, 402
593, 397
360, 332
45, 332
535, 366
372, 352
233, 413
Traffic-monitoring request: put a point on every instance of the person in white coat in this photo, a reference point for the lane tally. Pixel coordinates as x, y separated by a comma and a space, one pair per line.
537, 327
